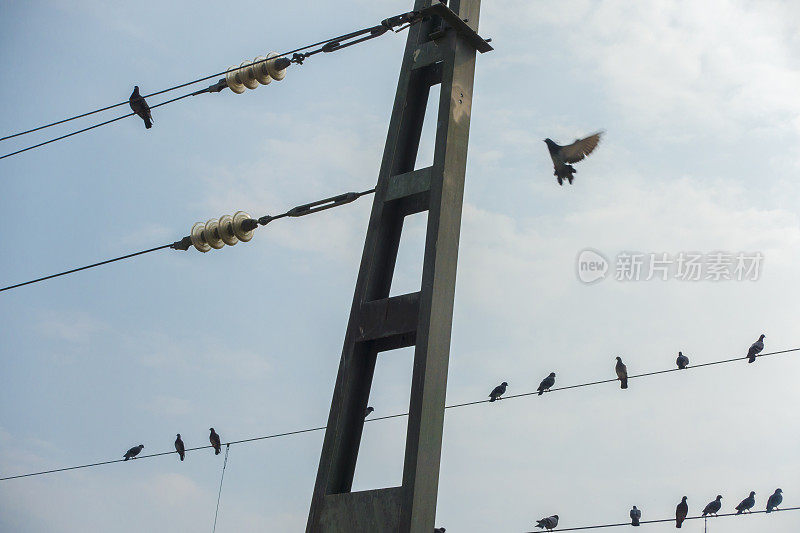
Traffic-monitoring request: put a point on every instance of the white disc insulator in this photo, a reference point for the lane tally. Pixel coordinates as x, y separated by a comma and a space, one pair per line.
238, 218
197, 237
209, 234
260, 69
234, 84
248, 75
276, 75
225, 230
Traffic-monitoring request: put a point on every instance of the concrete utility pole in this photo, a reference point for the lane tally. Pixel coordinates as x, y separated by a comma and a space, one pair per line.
440, 50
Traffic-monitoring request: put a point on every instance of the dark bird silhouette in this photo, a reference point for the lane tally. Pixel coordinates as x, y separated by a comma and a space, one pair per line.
548, 523
215, 442
498, 391
755, 349
682, 361
438, 530
562, 156
746, 504
775, 500
622, 373
636, 515
179, 447
713, 507
680, 512
133, 452
368, 411
546, 383
140, 107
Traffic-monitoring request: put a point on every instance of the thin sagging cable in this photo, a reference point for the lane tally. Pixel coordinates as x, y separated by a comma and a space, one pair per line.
219, 494
181, 85
621, 524
90, 127
386, 417
185, 243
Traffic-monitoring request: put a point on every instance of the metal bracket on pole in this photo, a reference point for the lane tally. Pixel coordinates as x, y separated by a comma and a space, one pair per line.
380, 323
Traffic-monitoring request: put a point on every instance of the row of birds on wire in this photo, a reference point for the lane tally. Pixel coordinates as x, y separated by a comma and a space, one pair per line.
547, 383
622, 371
682, 510
180, 447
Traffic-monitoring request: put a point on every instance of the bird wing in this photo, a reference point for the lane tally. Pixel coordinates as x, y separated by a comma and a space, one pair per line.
572, 153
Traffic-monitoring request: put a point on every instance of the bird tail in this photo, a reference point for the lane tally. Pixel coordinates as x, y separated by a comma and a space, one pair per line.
216, 451
148, 123
541, 391
769, 510
126, 458
182, 456
678, 524
624, 383
751, 359
492, 398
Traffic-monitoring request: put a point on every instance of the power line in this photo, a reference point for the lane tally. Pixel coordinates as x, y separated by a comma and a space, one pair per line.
386, 417
86, 267
599, 526
186, 242
91, 127
328, 45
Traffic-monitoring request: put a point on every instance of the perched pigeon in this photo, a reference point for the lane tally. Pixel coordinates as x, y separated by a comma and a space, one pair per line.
682, 361
438, 530
546, 383
747, 504
498, 391
680, 512
133, 452
622, 373
368, 411
713, 507
571, 153
636, 515
775, 500
755, 349
140, 107
215, 442
548, 523
179, 447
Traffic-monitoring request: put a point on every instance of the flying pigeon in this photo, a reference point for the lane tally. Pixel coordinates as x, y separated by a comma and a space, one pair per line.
680, 512
747, 504
548, 523
133, 452
622, 373
775, 500
713, 507
571, 153
498, 391
682, 361
546, 383
368, 411
214, 438
140, 107
636, 515
755, 349
179, 447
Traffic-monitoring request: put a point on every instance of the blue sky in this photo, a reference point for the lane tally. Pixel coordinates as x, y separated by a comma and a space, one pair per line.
702, 153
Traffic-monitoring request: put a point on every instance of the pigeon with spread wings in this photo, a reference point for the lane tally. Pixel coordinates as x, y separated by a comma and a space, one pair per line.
562, 156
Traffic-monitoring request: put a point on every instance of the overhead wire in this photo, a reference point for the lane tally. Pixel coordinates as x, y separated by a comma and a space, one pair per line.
385, 25
396, 415
185, 243
91, 127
